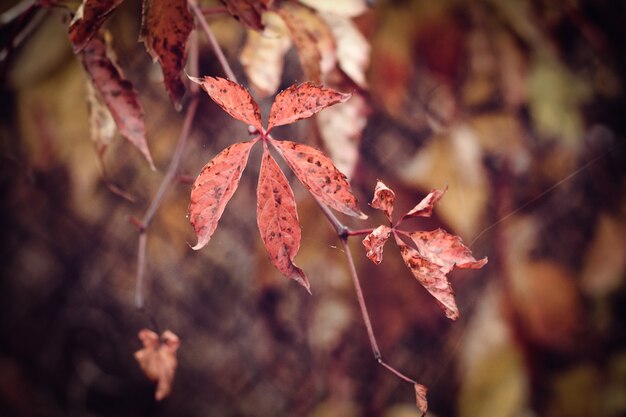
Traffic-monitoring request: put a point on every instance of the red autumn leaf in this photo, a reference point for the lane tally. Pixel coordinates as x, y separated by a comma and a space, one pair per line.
374, 243
118, 94
277, 219
420, 398
302, 101
165, 28
318, 174
233, 98
383, 199
431, 277
248, 12
214, 187
425, 207
157, 359
88, 18
445, 250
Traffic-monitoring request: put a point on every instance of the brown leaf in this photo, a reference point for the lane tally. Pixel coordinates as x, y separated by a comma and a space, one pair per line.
90, 15
353, 50
277, 219
431, 277
420, 398
165, 28
425, 207
233, 98
383, 199
374, 243
445, 250
318, 174
313, 40
248, 12
118, 94
341, 128
302, 101
101, 122
214, 187
157, 359
263, 54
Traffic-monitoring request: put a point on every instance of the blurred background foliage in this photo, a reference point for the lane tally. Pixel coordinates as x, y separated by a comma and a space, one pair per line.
516, 105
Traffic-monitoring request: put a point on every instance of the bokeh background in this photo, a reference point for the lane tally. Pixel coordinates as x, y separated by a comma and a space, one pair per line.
518, 106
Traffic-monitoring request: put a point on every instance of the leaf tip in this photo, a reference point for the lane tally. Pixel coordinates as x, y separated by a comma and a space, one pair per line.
202, 241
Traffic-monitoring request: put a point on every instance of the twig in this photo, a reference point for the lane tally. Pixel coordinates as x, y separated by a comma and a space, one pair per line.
216, 47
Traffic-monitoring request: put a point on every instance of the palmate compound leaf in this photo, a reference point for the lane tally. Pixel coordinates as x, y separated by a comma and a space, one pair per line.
214, 188
90, 15
233, 98
383, 199
277, 219
318, 174
448, 251
302, 101
117, 92
375, 242
165, 28
157, 359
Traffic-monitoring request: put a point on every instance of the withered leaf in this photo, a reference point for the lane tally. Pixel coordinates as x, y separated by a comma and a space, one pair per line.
165, 29
420, 398
383, 199
233, 98
425, 207
117, 92
157, 359
90, 15
277, 219
214, 188
302, 101
101, 122
318, 174
248, 12
375, 242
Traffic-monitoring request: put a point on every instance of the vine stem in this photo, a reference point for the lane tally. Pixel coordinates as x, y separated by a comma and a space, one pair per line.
343, 232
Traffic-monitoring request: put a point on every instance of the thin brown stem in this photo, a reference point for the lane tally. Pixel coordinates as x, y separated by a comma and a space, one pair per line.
212, 40
360, 232
396, 372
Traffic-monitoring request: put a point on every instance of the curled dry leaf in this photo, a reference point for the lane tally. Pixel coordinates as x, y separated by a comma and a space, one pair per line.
248, 12
277, 219
420, 398
233, 98
263, 54
383, 199
302, 101
117, 92
446, 250
375, 242
90, 15
353, 50
165, 28
313, 40
341, 127
425, 207
431, 277
214, 188
318, 174
157, 359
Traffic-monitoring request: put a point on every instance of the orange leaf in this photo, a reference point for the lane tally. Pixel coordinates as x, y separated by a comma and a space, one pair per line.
318, 174
374, 243
214, 187
233, 98
301, 102
425, 207
431, 277
88, 18
118, 94
165, 28
383, 199
445, 250
157, 359
277, 219
420, 398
